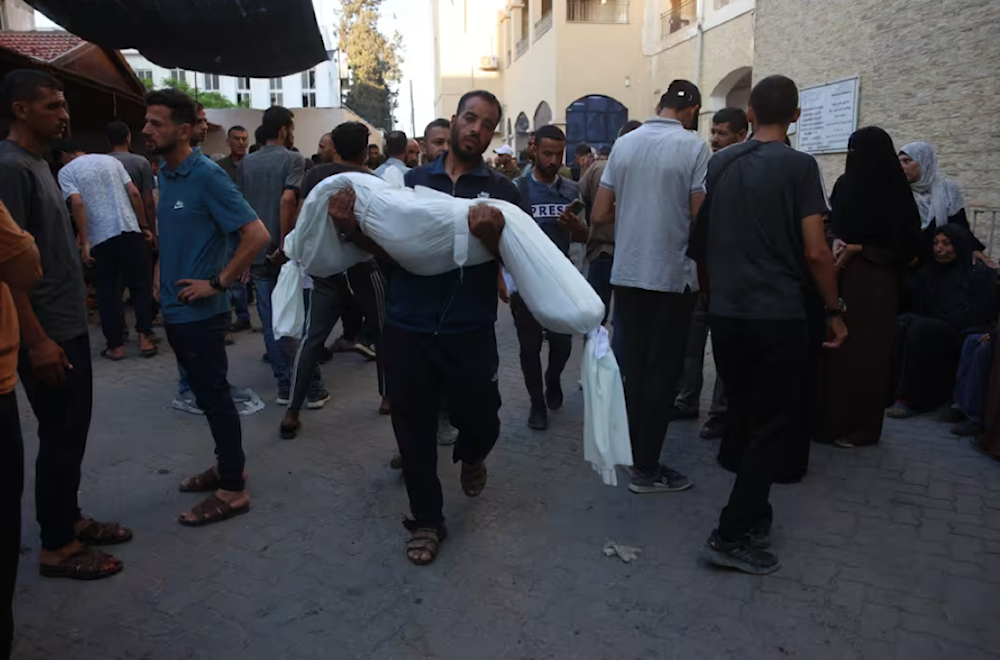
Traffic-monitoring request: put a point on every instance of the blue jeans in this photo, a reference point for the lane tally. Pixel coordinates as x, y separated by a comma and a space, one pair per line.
281, 352
183, 382
238, 291
973, 378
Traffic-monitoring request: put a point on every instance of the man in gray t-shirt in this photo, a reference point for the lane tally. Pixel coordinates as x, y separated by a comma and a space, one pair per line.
138, 167
54, 363
656, 177
271, 181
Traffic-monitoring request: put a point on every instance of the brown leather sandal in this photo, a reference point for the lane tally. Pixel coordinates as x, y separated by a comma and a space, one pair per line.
207, 481
212, 510
473, 479
98, 533
424, 539
85, 564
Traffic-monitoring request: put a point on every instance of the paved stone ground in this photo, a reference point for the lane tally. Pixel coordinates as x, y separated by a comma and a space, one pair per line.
888, 552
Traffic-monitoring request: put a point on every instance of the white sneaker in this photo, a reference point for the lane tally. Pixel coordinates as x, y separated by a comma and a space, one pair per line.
447, 434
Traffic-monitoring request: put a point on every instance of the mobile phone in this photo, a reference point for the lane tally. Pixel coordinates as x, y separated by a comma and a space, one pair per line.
577, 207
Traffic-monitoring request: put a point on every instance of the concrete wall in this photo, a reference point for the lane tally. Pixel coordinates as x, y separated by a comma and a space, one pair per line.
310, 125
928, 72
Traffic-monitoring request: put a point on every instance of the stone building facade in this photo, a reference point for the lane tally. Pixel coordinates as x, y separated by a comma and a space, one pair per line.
709, 42
928, 71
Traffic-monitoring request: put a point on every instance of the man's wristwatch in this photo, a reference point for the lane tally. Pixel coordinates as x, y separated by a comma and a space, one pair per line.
216, 284
839, 310
348, 237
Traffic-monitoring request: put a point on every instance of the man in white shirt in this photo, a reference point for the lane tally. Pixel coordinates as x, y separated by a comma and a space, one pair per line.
652, 188
110, 219
395, 167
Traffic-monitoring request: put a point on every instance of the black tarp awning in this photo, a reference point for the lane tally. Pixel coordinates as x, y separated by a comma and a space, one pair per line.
256, 38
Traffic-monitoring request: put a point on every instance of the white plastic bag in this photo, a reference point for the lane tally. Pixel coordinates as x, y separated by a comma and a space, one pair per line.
288, 305
606, 442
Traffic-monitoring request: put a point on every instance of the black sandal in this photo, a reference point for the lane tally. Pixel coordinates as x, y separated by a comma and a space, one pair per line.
85, 564
473, 479
424, 539
98, 533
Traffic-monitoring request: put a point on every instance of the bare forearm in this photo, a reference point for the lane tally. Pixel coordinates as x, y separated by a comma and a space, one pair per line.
31, 330
286, 217
140, 211
821, 267
150, 206
253, 239
80, 221
604, 208
820, 259
696, 201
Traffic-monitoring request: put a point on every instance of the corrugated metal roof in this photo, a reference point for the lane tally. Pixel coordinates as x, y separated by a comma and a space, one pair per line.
44, 46
257, 38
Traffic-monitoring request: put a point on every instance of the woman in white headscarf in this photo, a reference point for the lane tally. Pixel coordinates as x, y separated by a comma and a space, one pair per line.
938, 198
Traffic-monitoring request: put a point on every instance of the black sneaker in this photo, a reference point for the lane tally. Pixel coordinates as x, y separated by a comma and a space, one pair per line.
538, 419
664, 480
740, 555
950, 415
680, 413
760, 537
553, 394
968, 428
714, 428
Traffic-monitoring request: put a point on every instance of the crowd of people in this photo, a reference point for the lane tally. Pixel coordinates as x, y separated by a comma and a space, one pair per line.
681, 238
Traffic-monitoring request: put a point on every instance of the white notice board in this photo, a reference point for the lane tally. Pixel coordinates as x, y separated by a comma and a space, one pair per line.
829, 116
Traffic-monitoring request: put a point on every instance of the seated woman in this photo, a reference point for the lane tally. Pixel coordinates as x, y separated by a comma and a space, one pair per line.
972, 382
938, 198
951, 297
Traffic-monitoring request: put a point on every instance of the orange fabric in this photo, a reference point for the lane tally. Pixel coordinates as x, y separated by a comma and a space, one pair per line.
14, 241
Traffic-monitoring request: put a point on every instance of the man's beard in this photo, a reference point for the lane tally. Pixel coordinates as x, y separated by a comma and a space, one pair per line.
456, 148
158, 150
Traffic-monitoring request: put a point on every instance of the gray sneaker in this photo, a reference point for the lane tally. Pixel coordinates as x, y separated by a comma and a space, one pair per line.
740, 555
667, 481
185, 402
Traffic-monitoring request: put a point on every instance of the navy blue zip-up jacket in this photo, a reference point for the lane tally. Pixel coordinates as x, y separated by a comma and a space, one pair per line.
461, 300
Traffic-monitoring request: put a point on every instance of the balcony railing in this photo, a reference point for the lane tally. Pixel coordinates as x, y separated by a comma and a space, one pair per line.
680, 16
521, 47
595, 11
543, 26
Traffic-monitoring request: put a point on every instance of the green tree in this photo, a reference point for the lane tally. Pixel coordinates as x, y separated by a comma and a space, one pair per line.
207, 99
374, 61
